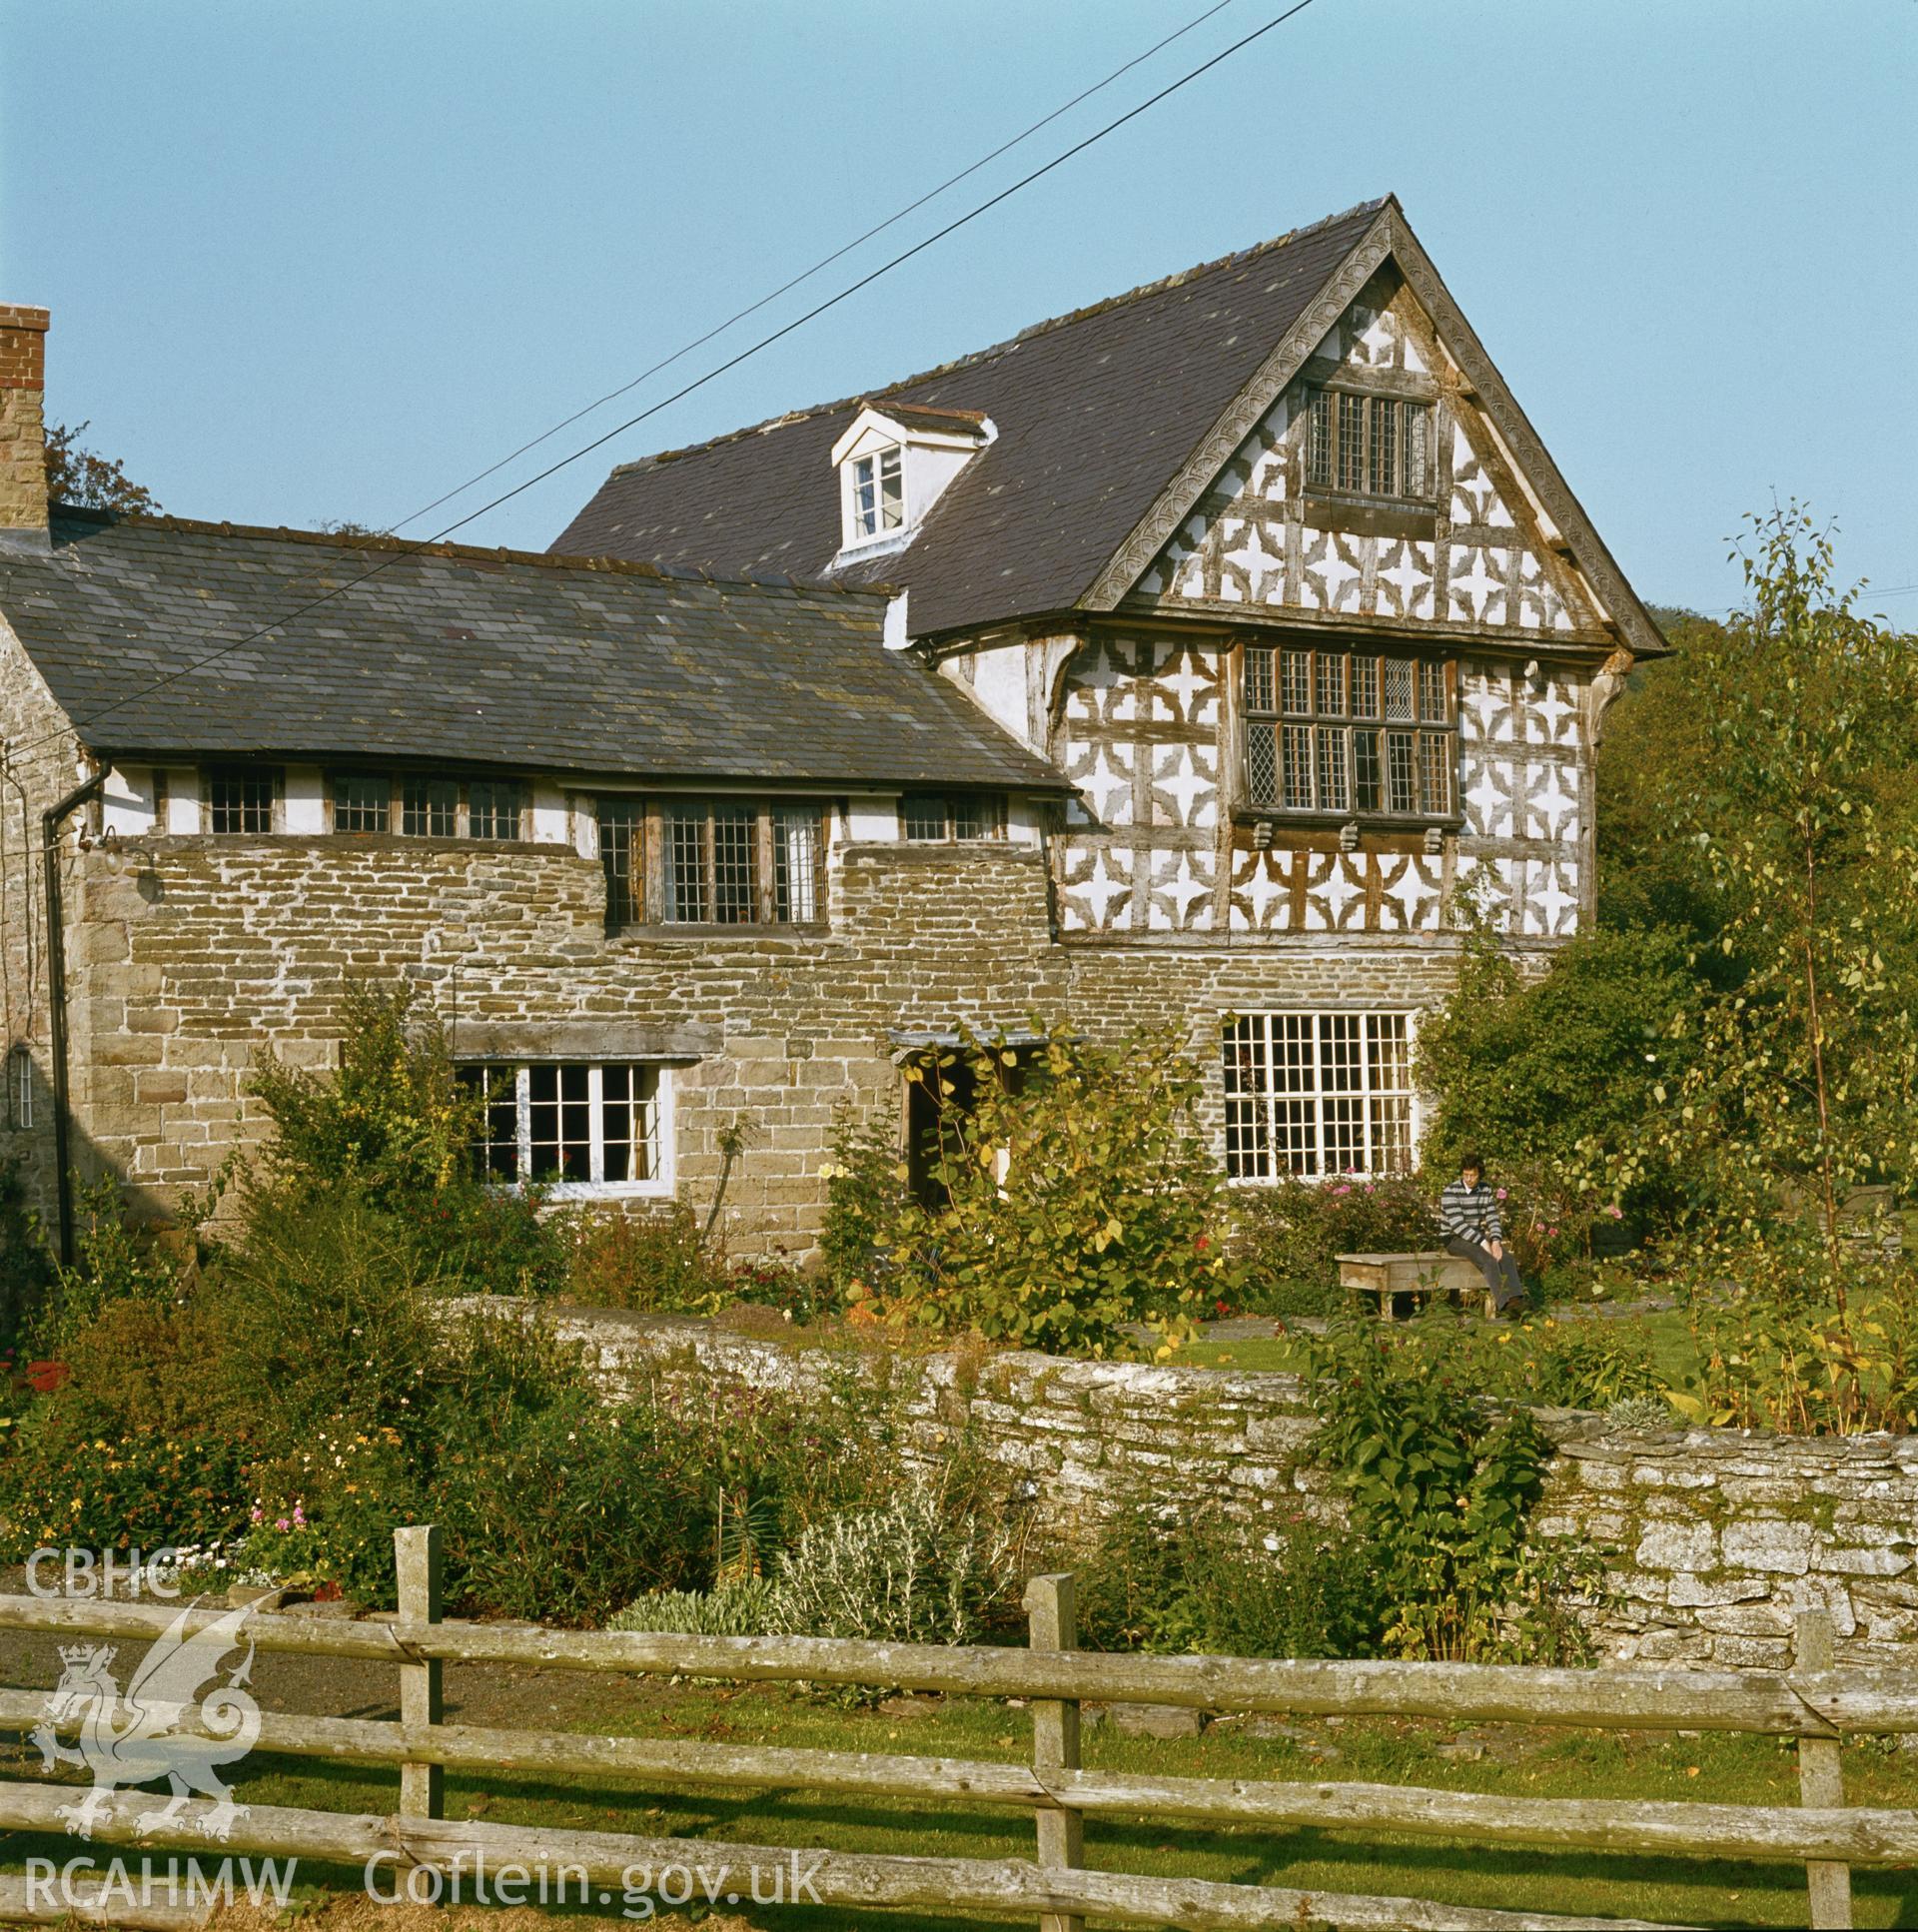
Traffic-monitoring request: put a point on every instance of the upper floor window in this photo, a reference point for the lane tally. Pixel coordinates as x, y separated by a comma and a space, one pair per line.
952, 816
372, 801
429, 807
725, 863
240, 799
1369, 445
362, 802
570, 1124
878, 492
1349, 732
496, 808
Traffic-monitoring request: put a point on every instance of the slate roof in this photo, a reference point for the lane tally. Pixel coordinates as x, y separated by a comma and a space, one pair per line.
1095, 411
490, 657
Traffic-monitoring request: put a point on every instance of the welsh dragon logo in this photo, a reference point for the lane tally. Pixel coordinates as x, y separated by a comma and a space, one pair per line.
157, 1729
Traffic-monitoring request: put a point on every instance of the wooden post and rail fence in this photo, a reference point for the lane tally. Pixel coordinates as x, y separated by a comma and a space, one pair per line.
1815, 1703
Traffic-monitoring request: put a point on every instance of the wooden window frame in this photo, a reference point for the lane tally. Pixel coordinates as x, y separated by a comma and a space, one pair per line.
380, 782
871, 471
274, 779
507, 1093
1290, 1114
788, 881
1303, 761
1360, 446
986, 809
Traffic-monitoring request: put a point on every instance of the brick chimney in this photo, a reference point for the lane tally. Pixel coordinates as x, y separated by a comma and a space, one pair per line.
23, 426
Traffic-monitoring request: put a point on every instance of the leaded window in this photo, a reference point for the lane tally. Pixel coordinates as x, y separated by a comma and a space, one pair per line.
568, 1124
1368, 446
362, 802
704, 861
1353, 732
430, 808
496, 808
240, 799
934, 815
1318, 1095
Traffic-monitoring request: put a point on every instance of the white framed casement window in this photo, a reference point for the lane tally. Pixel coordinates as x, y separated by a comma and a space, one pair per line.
1318, 1094
583, 1129
878, 493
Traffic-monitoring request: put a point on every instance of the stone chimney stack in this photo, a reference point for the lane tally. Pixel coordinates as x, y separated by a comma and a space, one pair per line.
23, 426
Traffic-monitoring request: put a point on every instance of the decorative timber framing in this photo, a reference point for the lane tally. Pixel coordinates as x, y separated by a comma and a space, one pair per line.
1390, 238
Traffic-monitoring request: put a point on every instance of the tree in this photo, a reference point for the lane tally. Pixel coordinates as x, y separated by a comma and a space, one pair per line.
1802, 1063
81, 480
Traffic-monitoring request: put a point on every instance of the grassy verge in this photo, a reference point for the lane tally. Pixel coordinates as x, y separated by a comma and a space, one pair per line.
1665, 1329
1533, 1762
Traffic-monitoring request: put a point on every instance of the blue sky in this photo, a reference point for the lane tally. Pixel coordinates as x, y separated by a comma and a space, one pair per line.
326, 262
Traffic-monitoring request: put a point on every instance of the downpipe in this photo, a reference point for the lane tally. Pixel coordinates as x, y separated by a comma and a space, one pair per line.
49, 822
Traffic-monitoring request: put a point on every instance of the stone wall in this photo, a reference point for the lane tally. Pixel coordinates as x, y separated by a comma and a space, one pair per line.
193, 958
1712, 1537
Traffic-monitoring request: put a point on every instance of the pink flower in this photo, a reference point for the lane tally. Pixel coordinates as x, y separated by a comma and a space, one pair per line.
1502, 1194
282, 1524
1344, 1190
1617, 1213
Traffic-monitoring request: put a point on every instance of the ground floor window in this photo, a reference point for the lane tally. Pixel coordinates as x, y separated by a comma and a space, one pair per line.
571, 1123
1318, 1093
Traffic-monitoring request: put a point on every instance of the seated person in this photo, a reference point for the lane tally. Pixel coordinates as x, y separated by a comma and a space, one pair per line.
1469, 1215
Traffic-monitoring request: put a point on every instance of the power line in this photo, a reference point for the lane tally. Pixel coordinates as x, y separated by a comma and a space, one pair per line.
699, 382
806, 275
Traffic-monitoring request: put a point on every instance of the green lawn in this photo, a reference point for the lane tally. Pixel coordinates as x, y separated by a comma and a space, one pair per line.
1534, 1763
1670, 1339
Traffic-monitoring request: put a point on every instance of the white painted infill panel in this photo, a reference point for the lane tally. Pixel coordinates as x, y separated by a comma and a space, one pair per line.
306, 802
126, 803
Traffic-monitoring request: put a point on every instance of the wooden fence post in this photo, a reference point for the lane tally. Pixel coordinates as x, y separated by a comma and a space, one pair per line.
1821, 1780
1052, 1604
416, 1558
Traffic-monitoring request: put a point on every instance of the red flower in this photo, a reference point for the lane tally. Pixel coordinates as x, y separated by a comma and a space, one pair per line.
43, 1378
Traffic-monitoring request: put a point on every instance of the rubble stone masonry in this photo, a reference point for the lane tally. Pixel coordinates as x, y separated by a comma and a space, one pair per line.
193, 958
1712, 1539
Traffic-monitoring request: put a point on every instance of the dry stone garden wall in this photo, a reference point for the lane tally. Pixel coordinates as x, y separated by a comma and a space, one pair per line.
1713, 1538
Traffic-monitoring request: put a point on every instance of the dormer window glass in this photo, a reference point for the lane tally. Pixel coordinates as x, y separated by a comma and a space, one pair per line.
878, 493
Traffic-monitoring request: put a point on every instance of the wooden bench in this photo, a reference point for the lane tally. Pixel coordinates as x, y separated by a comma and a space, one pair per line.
1392, 1278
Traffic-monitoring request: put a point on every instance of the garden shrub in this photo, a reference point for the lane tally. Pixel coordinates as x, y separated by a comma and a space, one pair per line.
565, 1514
1177, 1581
1288, 1235
64, 1486
115, 1262
324, 1306
921, 1567
1440, 1485
26, 1268
324, 1509
746, 1607
1536, 1072
395, 1127
1074, 1198
656, 1261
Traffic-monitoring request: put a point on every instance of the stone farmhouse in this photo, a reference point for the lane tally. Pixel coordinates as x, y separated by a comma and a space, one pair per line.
1173, 663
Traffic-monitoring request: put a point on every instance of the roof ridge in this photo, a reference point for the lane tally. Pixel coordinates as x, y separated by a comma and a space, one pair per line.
1033, 330
502, 553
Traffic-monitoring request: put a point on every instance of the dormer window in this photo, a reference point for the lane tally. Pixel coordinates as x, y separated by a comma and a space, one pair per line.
878, 492
895, 461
